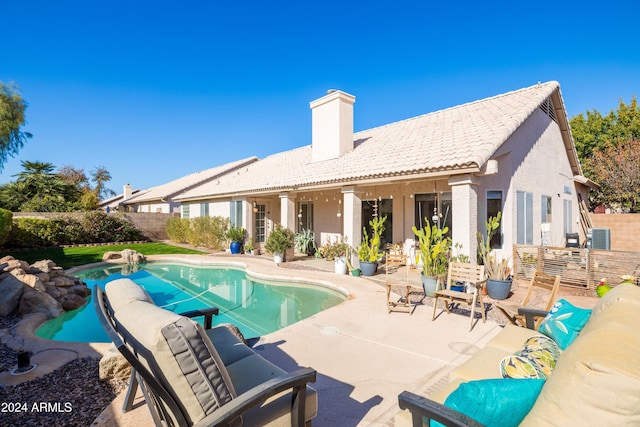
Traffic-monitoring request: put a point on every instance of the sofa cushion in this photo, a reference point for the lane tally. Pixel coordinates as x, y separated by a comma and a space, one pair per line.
626, 294
229, 346
484, 364
495, 402
123, 291
564, 322
191, 369
596, 381
511, 337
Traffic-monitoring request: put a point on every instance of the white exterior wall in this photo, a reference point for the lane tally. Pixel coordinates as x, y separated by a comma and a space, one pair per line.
532, 160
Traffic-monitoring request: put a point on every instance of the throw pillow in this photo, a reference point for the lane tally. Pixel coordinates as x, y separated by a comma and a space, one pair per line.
564, 322
495, 402
537, 359
519, 366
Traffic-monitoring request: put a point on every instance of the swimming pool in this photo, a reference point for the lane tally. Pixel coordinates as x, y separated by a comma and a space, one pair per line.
256, 307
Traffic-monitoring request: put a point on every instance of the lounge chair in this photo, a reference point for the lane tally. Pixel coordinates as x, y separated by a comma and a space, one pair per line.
464, 273
190, 376
540, 283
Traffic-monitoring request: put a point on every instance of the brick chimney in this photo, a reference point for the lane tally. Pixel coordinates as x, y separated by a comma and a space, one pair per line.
331, 125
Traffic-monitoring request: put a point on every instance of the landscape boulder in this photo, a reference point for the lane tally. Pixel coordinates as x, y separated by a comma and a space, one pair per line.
126, 255
42, 287
10, 293
113, 365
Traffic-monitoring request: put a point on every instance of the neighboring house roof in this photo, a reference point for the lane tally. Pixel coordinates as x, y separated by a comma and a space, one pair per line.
115, 201
163, 193
460, 139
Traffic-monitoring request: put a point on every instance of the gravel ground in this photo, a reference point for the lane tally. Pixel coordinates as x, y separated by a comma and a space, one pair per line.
72, 395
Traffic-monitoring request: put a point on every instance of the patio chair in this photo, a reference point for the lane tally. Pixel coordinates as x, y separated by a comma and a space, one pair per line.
540, 283
190, 376
460, 273
394, 260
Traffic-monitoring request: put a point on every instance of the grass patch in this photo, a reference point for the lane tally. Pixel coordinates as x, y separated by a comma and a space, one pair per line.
72, 257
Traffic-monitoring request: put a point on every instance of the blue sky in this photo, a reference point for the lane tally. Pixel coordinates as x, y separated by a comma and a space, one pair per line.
156, 90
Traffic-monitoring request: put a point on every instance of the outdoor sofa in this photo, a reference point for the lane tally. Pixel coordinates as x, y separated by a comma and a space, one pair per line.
198, 376
595, 382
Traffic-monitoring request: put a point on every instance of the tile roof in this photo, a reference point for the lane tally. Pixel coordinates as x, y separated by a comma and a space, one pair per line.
456, 139
166, 191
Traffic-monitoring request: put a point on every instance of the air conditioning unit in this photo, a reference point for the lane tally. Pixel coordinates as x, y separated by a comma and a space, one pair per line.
599, 238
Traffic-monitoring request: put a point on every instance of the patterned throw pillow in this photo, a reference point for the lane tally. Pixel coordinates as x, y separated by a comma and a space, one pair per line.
537, 359
564, 322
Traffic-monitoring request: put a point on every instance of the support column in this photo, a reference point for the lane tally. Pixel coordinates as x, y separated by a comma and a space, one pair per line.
288, 211
352, 216
465, 214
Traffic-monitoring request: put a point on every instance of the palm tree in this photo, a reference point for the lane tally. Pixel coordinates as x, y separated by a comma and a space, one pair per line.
39, 187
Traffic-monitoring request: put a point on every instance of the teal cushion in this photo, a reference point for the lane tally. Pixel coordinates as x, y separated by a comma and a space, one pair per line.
502, 402
564, 322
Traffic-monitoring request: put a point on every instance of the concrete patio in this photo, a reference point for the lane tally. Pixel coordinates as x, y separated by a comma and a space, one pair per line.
364, 355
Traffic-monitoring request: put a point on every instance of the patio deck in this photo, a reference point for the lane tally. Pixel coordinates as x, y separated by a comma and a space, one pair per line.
364, 356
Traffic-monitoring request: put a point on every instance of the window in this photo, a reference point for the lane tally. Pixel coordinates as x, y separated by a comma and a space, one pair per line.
305, 216
204, 209
524, 218
260, 224
494, 205
567, 215
235, 216
185, 211
545, 208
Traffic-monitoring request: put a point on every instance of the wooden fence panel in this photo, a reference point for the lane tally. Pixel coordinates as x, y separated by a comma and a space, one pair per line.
577, 267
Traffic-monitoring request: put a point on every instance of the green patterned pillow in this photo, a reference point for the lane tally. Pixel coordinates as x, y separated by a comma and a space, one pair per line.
564, 322
537, 359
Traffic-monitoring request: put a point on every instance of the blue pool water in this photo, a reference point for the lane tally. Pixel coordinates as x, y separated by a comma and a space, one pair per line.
255, 307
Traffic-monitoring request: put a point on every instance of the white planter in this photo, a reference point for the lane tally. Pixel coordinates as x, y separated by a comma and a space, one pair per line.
340, 265
277, 257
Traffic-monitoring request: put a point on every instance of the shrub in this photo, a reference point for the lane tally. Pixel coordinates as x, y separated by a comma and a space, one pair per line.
94, 227
177, 229
280, 239
6, 224
208, 232
203, 231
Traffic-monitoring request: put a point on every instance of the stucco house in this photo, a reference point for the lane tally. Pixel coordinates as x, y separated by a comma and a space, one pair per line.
512, 153
160, 199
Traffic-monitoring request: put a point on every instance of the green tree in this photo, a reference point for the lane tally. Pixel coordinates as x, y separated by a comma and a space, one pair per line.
617, 169
38, 189
594, 133
12, 118
100, 176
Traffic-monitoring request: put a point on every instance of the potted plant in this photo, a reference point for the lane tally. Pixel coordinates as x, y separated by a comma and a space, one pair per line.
280, 239
236, 235
305, 242
496, 268
339, 251
368, 250
249, 248
434, 252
